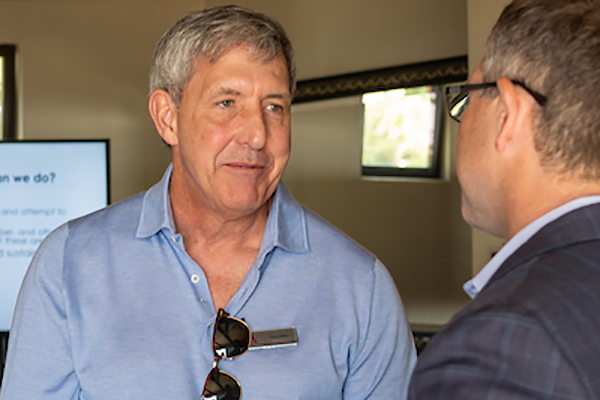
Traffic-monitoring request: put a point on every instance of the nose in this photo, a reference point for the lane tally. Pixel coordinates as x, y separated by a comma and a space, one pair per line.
254, 129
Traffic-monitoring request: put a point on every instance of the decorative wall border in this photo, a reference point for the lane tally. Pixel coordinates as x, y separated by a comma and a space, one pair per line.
427, 73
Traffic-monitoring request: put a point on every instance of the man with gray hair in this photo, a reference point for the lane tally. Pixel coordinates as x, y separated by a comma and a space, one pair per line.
160, 296
528, 161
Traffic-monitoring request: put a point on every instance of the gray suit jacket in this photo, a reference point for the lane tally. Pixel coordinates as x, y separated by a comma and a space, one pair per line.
534, 330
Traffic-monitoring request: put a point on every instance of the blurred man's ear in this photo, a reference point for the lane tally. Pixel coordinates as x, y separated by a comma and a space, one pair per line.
164, 114
515, 112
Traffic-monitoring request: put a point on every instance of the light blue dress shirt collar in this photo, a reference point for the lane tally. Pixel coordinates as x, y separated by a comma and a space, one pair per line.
475, 285
286, 226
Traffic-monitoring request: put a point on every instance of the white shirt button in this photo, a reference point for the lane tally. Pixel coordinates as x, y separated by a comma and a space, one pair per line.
195, 278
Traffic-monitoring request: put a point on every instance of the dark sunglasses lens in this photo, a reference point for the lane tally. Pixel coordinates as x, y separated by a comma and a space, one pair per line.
221, 386
232, 337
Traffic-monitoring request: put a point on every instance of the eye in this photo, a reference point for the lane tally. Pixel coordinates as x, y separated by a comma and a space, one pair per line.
275, 108
225, 103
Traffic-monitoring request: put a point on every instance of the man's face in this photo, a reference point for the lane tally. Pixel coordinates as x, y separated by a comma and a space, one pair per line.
475, 162
233, 132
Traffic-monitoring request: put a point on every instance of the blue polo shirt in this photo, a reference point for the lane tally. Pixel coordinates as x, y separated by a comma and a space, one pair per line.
113, 307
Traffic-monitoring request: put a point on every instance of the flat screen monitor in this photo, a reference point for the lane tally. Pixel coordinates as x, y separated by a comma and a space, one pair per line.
42, 185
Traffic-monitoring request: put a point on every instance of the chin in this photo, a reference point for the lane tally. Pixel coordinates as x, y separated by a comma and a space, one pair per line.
469, 217
465, 211
243, 205
247, 199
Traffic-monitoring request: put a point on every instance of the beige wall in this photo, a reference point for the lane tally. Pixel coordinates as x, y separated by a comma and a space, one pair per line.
333, 37
84, 65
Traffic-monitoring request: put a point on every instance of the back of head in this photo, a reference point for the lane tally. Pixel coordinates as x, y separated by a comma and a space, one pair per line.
210, 33
554, 47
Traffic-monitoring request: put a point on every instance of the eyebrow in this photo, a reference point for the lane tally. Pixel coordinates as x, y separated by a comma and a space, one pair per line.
280, 96
227, 91
224, 90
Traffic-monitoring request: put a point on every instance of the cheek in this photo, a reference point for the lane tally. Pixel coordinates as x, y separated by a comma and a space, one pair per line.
209, 137
460, 151
281, 148
468, 142
280, 141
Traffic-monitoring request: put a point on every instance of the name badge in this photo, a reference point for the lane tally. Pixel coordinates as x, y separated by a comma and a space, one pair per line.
274, 338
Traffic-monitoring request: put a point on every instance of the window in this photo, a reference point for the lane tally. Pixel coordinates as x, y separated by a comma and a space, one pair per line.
8, 114
401, 132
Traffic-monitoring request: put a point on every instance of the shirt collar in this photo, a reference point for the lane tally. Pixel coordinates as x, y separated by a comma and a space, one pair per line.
156, 211
475, 285
286, 225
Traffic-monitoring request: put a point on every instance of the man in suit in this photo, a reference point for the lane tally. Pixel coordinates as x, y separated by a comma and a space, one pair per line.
528, 161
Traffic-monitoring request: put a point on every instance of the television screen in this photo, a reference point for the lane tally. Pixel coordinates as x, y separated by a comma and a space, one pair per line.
42, 185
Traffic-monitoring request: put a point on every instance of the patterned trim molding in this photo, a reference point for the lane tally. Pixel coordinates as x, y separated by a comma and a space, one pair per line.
428, 73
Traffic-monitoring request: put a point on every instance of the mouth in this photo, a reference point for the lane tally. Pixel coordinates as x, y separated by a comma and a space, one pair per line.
245, 166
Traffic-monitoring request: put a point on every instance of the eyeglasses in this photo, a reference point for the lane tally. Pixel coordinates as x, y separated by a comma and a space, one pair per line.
458, 97
231, 339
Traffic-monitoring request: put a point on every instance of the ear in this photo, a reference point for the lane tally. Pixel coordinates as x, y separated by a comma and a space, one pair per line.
164, 114
515, 107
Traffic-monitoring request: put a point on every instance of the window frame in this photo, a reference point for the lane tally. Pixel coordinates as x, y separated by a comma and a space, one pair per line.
9, 91
434, 170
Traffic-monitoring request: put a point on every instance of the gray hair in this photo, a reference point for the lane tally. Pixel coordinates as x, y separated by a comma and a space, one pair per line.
210, 33
554, 47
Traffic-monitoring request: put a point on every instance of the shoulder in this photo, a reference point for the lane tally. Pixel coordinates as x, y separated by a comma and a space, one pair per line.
87, 229
347, 270
570, 273
326, 240
561, 261
114, 215
117, 220
557, 290
308, 236
118, 214
497, 349
334, 267
534, 324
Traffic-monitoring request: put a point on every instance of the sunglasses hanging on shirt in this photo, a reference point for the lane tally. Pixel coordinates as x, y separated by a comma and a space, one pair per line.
231, 339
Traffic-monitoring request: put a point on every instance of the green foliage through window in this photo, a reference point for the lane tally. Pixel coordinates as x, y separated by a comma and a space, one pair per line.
399, 128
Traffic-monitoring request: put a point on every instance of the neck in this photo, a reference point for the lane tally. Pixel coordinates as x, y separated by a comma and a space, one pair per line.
197, 225
539, 198
204, 226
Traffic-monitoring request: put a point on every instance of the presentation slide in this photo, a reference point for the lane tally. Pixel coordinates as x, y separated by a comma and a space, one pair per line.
43, 185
